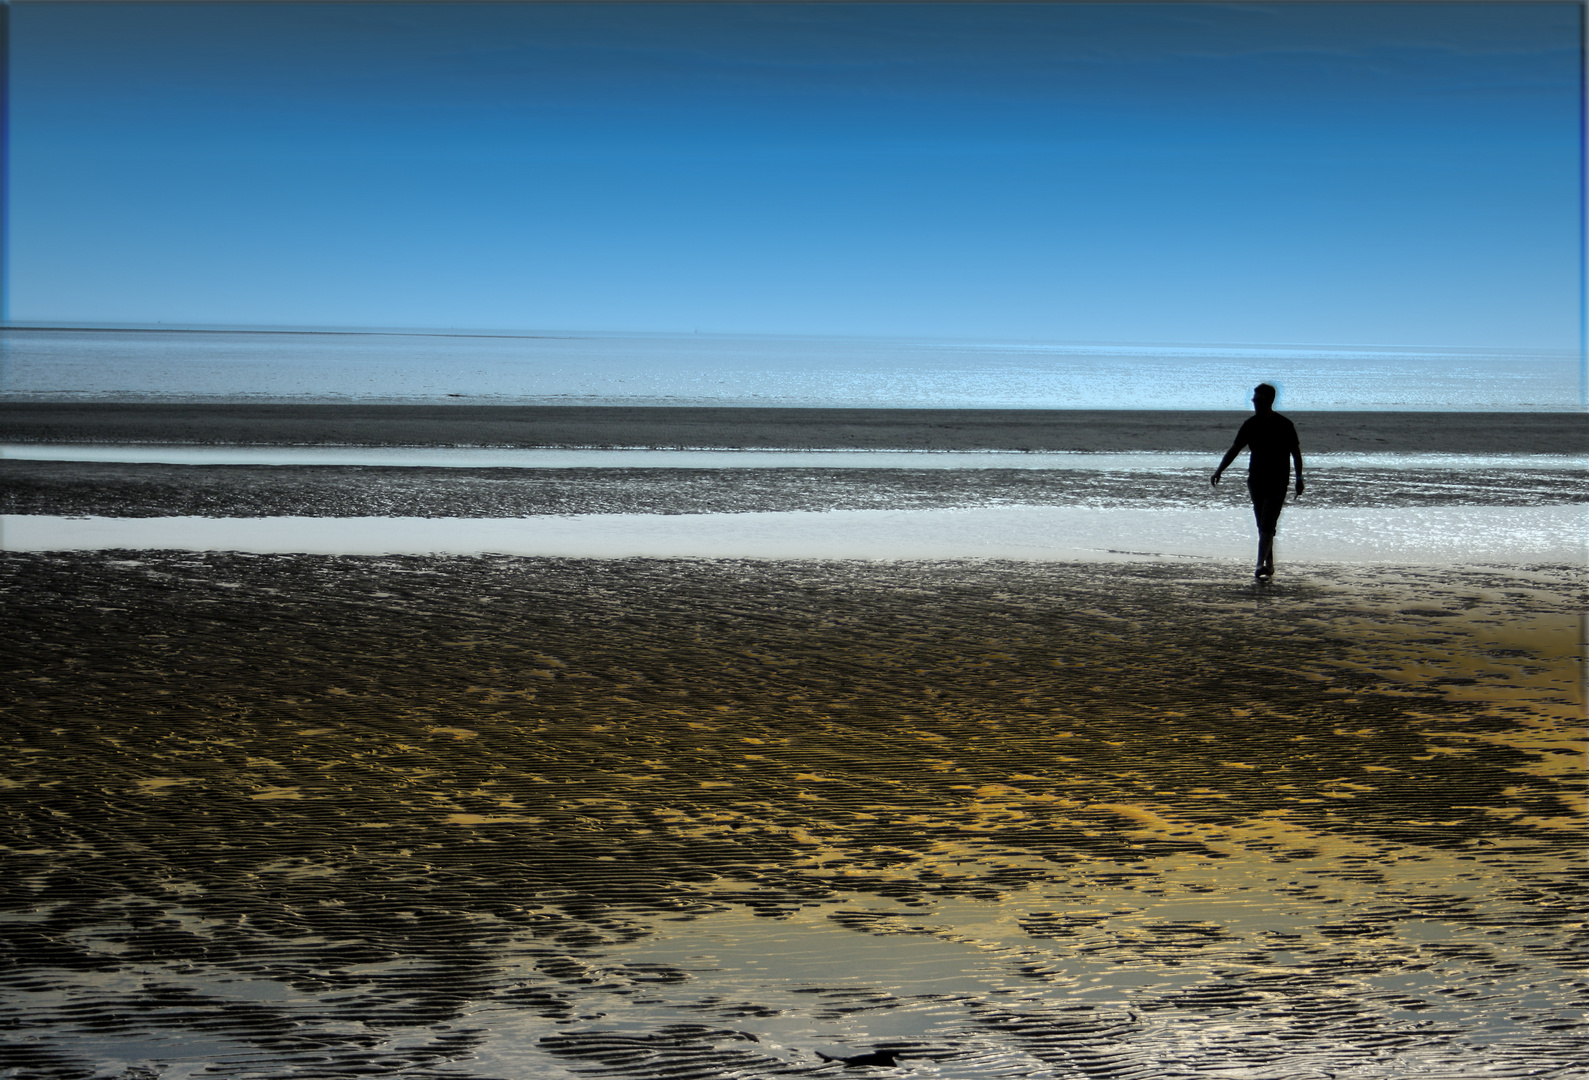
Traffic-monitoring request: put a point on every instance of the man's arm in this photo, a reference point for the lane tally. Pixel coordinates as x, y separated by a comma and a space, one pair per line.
1243, 435
1230, 455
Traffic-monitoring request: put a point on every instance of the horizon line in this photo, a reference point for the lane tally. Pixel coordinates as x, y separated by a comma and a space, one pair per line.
569, 335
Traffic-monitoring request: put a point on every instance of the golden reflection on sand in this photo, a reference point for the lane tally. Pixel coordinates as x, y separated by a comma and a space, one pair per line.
721, 816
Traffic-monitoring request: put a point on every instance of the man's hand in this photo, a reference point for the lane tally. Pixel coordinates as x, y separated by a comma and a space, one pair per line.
1215, 478
1299, 487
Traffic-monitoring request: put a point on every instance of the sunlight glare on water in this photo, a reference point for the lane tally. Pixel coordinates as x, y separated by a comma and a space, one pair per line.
1028, 533
589, 369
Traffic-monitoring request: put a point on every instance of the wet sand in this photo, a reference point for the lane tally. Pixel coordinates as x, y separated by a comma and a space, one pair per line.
156, 490
915, 429
311, 816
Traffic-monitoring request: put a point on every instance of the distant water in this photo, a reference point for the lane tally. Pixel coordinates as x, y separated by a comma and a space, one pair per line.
700, 369
489, 457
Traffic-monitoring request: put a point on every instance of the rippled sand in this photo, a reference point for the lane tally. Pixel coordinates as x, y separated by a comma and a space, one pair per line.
317, 817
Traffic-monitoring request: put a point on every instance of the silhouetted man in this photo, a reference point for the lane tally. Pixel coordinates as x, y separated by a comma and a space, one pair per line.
1273, 441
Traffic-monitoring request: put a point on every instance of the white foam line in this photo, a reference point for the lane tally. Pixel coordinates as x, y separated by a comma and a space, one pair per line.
1514, 535
462, 457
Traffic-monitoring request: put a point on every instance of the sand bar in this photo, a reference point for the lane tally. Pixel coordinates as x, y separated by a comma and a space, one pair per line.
114, 489
458, 457
1089, 431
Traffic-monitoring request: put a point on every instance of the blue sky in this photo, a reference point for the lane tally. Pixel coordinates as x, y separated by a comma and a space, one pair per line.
1332, 173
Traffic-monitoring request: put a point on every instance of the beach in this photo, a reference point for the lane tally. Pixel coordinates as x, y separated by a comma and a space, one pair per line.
290, 815
991, 770
583, 541
776, 484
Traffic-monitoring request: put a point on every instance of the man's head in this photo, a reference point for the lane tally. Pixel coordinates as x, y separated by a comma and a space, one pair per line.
1263, 396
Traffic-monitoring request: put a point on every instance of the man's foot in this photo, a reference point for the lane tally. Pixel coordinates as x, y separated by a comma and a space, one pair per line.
1264, 572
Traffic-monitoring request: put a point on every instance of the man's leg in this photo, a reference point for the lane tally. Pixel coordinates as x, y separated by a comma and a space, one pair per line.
1263, 540
1268, 505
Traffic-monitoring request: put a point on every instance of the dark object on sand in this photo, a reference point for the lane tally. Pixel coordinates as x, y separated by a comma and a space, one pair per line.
882, 1059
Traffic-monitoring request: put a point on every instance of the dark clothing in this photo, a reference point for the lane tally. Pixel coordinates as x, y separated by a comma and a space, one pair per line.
1267, 502
1272, 439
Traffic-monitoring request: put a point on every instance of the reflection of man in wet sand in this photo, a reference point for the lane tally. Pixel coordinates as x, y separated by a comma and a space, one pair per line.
1273, 440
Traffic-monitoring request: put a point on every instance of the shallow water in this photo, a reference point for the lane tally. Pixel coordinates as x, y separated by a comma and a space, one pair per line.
296, 816
1403, 535
97, 481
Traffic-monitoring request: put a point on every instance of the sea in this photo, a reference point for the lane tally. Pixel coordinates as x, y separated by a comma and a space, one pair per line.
477, 367
377, 499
